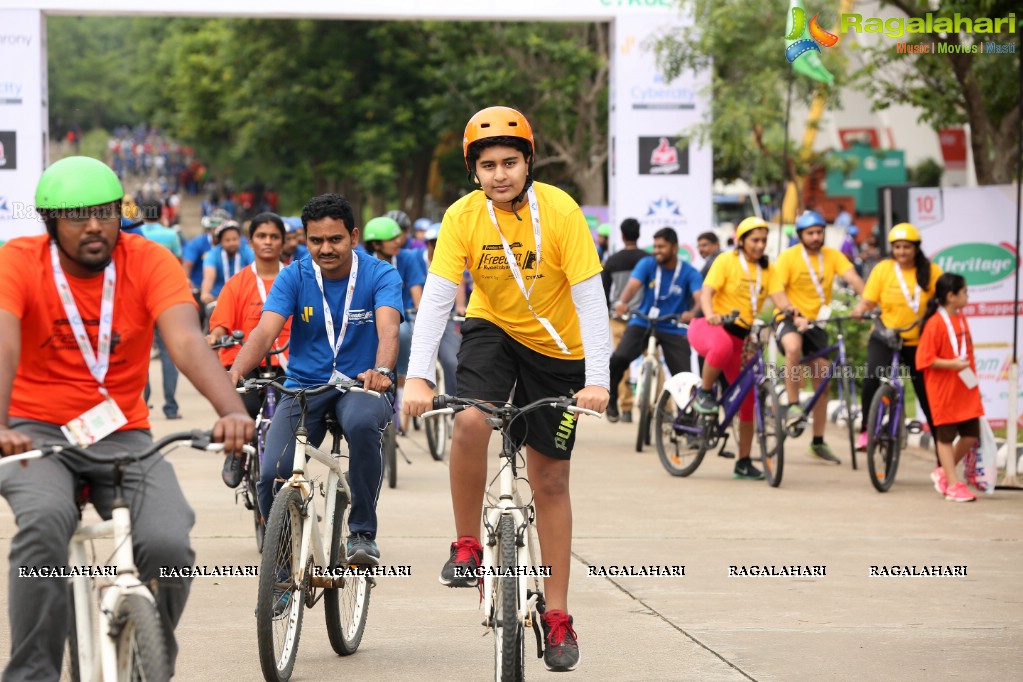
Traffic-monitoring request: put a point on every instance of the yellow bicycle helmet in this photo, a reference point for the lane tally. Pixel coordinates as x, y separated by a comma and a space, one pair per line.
904, 232
748, 225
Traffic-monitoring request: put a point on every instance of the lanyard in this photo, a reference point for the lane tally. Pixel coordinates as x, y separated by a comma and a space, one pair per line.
328, 318
813, 273
97, 362
657, 282
960, 351
237, 263
261, 288
753, 288
913, 302
509, 256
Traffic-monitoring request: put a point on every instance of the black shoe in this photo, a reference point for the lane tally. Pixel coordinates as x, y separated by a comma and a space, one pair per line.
626, 417
704, 402
611, 413
460, 569
561, 645
362, 550
744, 469
233, 470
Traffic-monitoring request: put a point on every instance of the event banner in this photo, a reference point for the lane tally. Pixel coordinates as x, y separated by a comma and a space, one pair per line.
23, 116
971, 231
657, 176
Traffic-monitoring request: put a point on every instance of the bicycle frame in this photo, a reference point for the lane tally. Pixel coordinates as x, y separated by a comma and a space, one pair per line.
752, 374
840, 361
900, 397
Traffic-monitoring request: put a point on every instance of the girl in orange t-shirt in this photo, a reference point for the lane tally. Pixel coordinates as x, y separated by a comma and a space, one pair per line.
945, 356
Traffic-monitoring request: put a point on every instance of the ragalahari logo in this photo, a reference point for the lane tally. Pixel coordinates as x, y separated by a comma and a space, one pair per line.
818, 37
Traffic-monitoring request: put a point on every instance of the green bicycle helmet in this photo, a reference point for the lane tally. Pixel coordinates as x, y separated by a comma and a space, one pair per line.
381, 229
77, 182
604, 230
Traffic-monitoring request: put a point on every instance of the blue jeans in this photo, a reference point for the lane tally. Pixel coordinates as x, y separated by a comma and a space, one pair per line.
363, 419
170, 378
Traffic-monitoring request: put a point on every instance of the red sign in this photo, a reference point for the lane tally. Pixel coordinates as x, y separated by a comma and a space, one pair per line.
953, 148
851, 136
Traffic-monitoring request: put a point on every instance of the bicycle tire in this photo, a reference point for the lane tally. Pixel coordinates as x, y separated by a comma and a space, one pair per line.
436, 428
278, 633
141, 647
673, 448
850, 411
882, 447
257, 519
69, 669
643, 400
771, 434
509, 642
391, 454
346, 608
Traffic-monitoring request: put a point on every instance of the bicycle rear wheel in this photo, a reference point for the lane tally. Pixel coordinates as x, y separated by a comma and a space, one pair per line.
346, 608
643, 391
771, 433
141, 648
391, 454
509, 639
279, 599
850, 411
882, 445
680, 452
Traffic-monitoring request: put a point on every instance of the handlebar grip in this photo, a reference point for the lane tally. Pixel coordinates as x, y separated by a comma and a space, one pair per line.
440, 402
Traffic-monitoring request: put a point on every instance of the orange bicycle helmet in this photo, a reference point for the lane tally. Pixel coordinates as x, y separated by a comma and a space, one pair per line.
496, 122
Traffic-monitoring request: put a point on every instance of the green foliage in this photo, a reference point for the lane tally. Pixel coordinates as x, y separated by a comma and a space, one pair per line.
927, 173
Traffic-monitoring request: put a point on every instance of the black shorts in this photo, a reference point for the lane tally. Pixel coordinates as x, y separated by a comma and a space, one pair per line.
491, 364
946, 433
814, 338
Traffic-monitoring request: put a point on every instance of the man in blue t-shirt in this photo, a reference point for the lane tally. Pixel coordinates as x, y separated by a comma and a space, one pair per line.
337, 333
670, 286
197, 248
225, 260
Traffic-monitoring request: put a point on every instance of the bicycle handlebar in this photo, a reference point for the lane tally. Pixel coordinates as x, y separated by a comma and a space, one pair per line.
673, 317
449, 404
351, 385
236, 338
200, 440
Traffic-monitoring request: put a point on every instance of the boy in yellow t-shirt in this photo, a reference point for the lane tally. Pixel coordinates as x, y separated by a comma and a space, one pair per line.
536, 321
806, 272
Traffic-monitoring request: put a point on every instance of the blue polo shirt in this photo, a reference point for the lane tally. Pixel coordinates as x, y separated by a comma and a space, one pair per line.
670, 298
212, 259
295, 294
195, 250
412, 270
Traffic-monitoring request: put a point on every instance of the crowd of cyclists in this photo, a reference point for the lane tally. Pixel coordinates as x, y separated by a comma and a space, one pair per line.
507, 294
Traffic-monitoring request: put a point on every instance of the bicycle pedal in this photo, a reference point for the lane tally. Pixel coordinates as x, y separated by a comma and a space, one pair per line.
727, 454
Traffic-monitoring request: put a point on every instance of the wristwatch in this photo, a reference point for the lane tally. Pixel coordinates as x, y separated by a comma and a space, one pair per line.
386, 371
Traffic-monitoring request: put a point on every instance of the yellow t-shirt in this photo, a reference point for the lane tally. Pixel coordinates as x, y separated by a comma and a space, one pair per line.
732, 286
883, 288
567, 257
794, 277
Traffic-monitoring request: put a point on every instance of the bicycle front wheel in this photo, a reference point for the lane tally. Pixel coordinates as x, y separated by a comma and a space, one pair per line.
141, 647
643, 390
680, 451
437, 436
280, 599
391, 455
347, 607
257, 518
771, 433
850, 411
883, 438
509, 639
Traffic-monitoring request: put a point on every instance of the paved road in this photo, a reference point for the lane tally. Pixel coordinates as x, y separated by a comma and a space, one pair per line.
628, 511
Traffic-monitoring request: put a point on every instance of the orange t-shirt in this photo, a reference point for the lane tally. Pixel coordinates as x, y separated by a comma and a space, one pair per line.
52, 383
950, 401
239, 307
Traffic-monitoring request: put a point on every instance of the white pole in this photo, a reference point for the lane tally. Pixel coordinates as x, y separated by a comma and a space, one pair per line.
1010, 480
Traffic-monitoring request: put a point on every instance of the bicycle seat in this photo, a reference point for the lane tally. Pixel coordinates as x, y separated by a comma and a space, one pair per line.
333, 427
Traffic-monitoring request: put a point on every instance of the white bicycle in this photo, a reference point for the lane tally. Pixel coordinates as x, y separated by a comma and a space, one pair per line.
649, 373
115, 634
300, 560
512, 595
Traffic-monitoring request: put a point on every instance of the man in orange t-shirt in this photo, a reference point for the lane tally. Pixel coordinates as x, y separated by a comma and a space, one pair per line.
78, 307
240, 303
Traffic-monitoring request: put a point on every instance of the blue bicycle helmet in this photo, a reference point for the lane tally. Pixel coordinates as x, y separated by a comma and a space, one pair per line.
810, 219
421, 224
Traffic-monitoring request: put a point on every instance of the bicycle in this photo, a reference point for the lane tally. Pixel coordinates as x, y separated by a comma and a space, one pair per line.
887, 431
299, 561
848, 407
649, 372
684, 435
250, 464
439, 429
115, 631
509, 549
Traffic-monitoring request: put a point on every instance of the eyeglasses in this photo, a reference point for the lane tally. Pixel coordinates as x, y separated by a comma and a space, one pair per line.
105, 213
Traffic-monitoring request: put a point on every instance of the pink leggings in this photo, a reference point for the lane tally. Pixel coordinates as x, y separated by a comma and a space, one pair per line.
720, 349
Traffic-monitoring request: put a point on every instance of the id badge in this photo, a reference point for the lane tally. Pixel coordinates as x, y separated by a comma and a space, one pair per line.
655, 312
95, 424
824, 313
336, 378
968, 378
